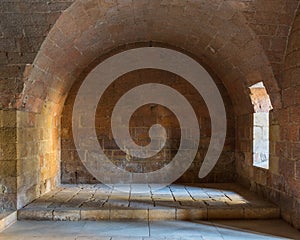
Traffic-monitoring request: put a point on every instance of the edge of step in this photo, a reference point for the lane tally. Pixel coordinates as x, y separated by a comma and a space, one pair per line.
209, 213
7, 219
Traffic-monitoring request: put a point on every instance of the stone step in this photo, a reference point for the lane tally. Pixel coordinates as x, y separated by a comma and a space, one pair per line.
209, 213
175, 202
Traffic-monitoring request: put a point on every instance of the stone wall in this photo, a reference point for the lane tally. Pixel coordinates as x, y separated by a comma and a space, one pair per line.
285, 182
72, 169
38, 151
281, 183
28, 142
8, 160
23, 28
271, 20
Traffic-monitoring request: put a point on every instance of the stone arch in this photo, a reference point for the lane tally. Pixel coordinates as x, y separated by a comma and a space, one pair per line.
213, 31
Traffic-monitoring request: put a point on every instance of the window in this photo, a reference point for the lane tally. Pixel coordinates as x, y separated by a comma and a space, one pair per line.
262, 106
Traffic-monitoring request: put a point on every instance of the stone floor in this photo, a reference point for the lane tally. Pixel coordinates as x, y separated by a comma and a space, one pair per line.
175, 202
144, 230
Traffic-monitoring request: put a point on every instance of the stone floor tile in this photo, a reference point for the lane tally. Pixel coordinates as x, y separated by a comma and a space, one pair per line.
182, 197
192, 204
155, 238
78, 199
141, 197
93, 204
273, 229
6, 237
141, 204
163, 197
237, 203
40, 203
161, 203
181, 229
63, 197
233, 234
116, 228
40, 229
116, 203
126, 238
93, 238
214, 203
60, 237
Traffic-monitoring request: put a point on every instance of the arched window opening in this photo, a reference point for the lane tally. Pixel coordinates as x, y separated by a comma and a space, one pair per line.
262, 106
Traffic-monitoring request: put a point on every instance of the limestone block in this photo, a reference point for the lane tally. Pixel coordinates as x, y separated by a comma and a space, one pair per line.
262, 213
94, 215
225, 213
66, 215
191, 214
162, 213
137, 214
32, 214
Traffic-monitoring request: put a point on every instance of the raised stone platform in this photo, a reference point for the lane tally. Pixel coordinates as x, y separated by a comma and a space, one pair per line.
175, 202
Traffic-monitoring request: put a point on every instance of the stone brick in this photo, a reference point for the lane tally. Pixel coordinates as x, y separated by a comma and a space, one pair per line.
168, 214
261, 213
274, 164
66, 215
294, 151
294, 117
29, 214
8, 169
136, 214
94, 215
275, 133
287, 168
297, 169
191, 214
225, 213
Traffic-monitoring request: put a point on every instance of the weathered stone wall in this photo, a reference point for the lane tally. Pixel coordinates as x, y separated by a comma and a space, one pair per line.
23, 28
28, 142
38, 151
281, 182
8, 160
73, 170
271, 20
285, 182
